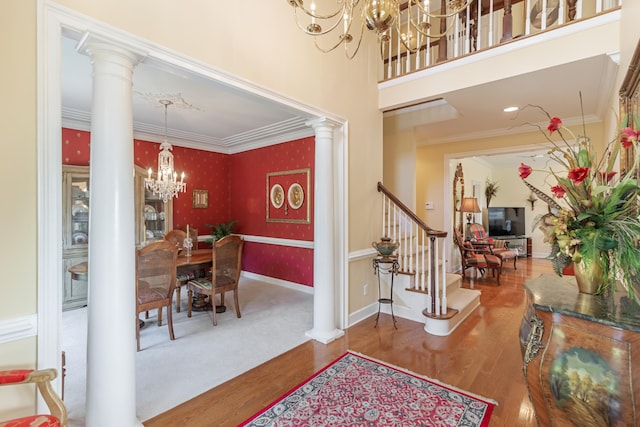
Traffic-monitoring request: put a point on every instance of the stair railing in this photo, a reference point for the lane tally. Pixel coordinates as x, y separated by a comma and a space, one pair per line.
421, 250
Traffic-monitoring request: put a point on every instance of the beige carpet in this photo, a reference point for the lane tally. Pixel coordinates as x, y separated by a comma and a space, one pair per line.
274, 320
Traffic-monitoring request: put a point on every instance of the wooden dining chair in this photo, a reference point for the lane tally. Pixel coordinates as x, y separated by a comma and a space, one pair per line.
225, 274
155, 281
177, 237
42, 379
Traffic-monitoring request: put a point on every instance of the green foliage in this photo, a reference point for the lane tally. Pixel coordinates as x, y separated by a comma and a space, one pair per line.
220, 230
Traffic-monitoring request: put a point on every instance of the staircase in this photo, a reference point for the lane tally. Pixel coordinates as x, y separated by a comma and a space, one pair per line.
423, 290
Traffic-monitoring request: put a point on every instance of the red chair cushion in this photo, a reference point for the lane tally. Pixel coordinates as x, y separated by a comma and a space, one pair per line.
14, 376
33, 421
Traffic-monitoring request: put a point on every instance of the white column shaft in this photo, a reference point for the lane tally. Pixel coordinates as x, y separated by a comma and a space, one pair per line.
111, 348
324, 271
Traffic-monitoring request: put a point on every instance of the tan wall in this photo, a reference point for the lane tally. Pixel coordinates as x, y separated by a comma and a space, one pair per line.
18, 214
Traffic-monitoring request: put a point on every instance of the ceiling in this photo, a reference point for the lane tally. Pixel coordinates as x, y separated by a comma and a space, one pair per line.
214, 116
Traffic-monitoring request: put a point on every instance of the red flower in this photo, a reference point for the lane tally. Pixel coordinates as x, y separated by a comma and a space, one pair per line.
578, 175
558, 191
628, 136
554, 125
524, 170
606, 177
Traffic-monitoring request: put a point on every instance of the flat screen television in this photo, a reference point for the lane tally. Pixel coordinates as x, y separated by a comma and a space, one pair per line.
505, 222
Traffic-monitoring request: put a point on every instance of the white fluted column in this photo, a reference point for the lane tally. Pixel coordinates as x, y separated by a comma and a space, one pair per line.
111, 346
324, 263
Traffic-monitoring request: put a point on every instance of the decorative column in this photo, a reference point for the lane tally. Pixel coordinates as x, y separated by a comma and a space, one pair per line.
324, 277
111, 344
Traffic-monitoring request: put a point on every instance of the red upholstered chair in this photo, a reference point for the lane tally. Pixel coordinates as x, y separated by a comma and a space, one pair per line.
42, 379
501, 249
478, 234
476, 257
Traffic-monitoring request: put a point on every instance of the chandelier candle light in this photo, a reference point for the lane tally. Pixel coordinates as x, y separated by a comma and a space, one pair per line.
381, 16
166, 185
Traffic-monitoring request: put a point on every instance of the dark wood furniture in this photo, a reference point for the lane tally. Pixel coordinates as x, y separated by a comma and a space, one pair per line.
155, 281
581, 354
226, 260
478, 256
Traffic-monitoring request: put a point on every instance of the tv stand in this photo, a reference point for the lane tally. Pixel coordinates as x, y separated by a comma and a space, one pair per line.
515, 242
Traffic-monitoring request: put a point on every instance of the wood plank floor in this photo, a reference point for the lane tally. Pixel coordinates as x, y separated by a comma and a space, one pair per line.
481, 356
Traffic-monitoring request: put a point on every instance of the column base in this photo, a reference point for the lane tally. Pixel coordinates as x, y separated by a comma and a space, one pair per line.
325, 337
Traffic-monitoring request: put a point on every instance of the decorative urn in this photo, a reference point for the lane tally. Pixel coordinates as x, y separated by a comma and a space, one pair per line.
385, 246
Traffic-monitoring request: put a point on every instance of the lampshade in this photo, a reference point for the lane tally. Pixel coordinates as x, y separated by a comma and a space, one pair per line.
469, 204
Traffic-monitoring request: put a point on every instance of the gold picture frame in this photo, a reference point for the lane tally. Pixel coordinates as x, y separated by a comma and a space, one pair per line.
288, 197
200, 199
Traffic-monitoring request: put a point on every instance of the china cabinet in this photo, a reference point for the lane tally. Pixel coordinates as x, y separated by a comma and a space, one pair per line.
153, 218
75, 232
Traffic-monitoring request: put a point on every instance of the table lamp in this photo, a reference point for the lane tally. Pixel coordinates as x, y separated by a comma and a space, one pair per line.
470, 206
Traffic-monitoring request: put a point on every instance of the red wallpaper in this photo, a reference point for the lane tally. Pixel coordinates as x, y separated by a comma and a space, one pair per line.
248, 172
237, 190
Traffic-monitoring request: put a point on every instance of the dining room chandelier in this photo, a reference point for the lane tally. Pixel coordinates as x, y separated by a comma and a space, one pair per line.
415, 22
166, 185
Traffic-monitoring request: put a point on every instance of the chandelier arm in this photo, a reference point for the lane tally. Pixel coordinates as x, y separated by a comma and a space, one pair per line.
309, 12
357, 46
427, 33
438, 15
312, 33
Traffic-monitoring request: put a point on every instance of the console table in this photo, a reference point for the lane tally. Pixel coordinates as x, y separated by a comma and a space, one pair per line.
389, 265
581, 354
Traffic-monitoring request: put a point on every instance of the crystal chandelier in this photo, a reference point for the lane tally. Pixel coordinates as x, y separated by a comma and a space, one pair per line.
166, 185
419, 19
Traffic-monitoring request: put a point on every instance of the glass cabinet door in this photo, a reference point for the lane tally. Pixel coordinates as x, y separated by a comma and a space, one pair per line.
76, 208
154, 217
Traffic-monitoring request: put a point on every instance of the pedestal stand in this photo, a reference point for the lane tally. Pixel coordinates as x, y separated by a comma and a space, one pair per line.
385, 265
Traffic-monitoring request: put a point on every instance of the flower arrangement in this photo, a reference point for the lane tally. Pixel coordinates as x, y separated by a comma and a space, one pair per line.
593, 220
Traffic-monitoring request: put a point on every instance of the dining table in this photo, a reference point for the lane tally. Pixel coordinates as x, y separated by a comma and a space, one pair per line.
196, 262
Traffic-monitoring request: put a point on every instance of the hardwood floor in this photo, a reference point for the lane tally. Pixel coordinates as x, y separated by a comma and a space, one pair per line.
481, 356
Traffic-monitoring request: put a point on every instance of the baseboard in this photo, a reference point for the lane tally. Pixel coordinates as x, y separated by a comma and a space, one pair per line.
279, 282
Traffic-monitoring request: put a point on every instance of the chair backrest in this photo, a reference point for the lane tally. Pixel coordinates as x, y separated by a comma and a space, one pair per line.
227, 258
176, 237
477, 230
156, 268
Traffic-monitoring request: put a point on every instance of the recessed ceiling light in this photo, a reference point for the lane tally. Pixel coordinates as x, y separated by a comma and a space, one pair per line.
510, 109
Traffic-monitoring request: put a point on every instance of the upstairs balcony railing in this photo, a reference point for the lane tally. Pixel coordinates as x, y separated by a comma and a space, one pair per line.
480, 28
421, 251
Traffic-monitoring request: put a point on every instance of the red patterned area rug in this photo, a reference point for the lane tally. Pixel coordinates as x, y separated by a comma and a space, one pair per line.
355, 390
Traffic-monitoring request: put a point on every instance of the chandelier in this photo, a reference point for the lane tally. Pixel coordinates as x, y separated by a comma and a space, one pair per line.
166, 185
419, 19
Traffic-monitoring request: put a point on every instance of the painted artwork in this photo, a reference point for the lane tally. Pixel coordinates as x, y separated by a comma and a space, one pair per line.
587, 380
585, 387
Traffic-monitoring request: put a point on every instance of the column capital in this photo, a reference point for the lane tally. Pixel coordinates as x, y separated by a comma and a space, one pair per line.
321, 122
91, 44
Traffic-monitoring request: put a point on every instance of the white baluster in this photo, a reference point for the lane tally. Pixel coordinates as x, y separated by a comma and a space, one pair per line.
423, 255
444, 280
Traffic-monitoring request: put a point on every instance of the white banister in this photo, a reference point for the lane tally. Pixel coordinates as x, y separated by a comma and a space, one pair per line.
488, 32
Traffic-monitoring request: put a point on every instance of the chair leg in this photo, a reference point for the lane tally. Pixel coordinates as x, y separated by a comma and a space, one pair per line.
138, 330
160, 316
178, 298
235, 299
212, 298
515, 258
170, 321
189, 302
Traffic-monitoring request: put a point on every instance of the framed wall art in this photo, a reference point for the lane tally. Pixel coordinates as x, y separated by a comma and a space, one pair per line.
288, 196
200, 199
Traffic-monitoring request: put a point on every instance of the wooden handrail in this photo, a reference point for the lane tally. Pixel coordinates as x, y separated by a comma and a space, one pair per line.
430, 231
